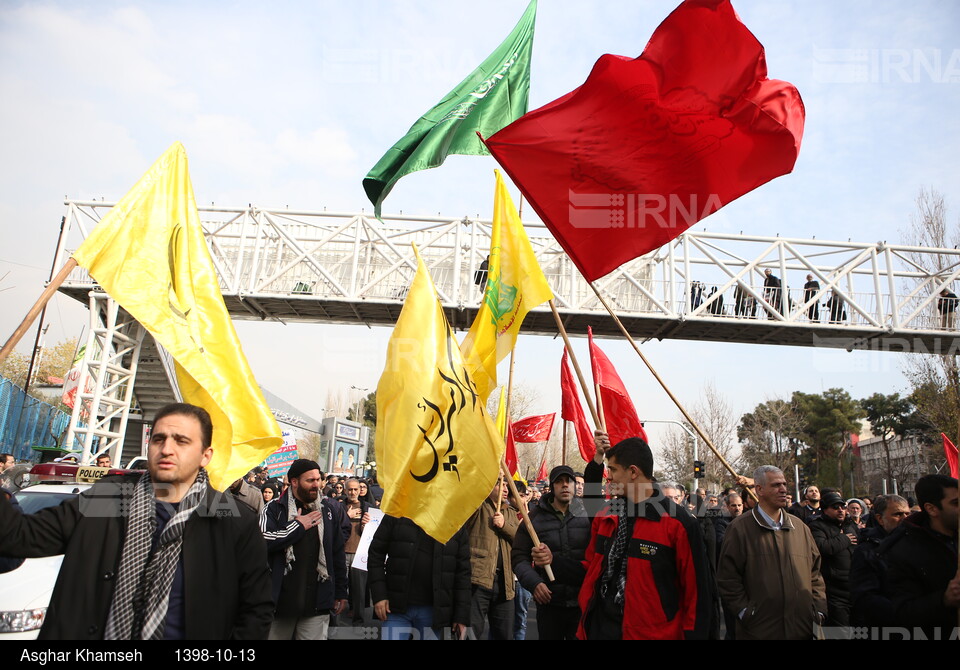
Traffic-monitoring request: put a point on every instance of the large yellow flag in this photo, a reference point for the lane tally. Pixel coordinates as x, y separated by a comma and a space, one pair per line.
515, 285
148, 254
438, 452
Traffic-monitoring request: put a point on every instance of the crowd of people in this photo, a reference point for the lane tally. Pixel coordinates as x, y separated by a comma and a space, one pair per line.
609, 553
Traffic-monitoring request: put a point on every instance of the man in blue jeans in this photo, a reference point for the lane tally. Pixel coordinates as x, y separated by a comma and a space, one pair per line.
423, 590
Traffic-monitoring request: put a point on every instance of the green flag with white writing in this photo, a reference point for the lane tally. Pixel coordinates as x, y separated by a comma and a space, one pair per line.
491, 97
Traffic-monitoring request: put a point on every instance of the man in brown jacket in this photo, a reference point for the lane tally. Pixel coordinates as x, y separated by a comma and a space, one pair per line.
769, 574
491, 540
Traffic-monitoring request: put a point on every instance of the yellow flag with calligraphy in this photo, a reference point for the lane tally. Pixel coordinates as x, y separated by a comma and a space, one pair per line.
438, 451
149, 254
515, 285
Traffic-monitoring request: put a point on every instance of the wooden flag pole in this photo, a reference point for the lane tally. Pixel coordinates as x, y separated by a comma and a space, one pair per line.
563, 448
576, 366
525, 515
31, 316
506, 414
603, 421
676, 401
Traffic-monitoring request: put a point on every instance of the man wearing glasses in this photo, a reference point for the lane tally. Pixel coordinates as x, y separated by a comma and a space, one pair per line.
836, 537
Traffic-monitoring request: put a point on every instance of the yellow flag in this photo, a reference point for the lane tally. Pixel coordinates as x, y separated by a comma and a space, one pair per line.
438, 451
501, 421
515, 285
148, 254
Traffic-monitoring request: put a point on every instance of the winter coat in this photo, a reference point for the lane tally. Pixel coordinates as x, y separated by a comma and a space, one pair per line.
836, 554
567, 539
774, 575
390, 567
485, 540
920, 562
280, 533
226, 580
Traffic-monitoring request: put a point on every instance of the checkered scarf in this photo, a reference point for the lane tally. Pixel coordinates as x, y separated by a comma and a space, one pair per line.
292, 513
610, 575
139, 608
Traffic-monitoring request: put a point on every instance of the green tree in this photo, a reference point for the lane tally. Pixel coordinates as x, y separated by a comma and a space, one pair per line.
53, 361
770, 435
828, 420
890, 417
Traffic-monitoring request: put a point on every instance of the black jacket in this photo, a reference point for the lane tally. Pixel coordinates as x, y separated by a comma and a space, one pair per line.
281, 533
836, 554
870, 606
804, 513
567, 538
920, 562
389, 579
227, 584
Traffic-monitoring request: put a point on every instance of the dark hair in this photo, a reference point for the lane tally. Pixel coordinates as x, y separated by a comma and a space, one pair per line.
880, 503
521, 487
633, 451
198, 413
930, 489
5, 457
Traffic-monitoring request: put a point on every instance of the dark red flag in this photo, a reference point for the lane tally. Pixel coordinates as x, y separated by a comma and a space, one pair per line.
855, 444
534, 428
648, 146
951, 452
511, 454
619, 414
571, 410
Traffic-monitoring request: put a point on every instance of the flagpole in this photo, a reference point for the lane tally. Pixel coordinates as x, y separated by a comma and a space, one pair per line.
603, 421
563, 447
41, 303
674, 398
525, 515
509, 427
576, 366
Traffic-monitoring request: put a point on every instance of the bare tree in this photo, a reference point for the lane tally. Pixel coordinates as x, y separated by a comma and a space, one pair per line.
714, 416
935, 378
308, 446
523, 398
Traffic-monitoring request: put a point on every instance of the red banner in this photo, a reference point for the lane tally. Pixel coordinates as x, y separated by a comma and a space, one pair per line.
619, 414
648, 146
571, 410
534, 428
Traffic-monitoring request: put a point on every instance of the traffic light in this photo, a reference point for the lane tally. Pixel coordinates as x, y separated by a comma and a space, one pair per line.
698, 470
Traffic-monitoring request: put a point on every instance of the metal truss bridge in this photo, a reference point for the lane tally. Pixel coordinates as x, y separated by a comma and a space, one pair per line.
317, 266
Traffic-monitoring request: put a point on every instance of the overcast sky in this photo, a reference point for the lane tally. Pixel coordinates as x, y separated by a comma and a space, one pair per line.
291, 103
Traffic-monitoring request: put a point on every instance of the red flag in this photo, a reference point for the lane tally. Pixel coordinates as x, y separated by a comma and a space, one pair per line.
542, 472
511, 454
571, 410
534, 428
951, 451
855, 444
647, 147
619, 413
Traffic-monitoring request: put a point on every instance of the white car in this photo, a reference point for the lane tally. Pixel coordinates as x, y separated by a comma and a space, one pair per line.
25, 592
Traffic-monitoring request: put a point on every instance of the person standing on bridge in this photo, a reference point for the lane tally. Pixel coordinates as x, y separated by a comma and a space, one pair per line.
947, 306
772, 291
810, 289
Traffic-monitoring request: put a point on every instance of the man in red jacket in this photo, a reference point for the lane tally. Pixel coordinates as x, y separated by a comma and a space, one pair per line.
647, 576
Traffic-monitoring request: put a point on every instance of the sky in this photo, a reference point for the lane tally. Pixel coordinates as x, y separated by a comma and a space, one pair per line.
291, 103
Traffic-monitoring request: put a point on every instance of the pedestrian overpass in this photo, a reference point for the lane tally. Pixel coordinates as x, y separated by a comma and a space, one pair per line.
348, 268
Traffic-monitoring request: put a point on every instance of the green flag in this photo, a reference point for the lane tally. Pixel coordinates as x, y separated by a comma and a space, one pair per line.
491, 97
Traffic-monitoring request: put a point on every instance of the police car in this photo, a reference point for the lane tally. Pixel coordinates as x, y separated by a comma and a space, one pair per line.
25, 591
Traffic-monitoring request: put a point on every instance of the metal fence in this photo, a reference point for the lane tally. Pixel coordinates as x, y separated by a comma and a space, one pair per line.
27, 422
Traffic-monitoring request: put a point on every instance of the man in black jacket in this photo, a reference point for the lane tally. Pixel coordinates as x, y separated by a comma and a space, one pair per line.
836, 538
305, 541
809, 508
154, 556
424, 589
563, 528
921, 556
868, 573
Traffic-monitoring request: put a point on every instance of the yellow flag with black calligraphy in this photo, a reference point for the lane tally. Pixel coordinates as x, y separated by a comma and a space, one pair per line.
438, 451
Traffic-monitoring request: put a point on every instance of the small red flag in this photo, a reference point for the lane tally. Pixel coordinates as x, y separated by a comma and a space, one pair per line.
619, 413
951, 452
855, 444
542, 472
648, 146
571, 410
534, 428
511, 454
